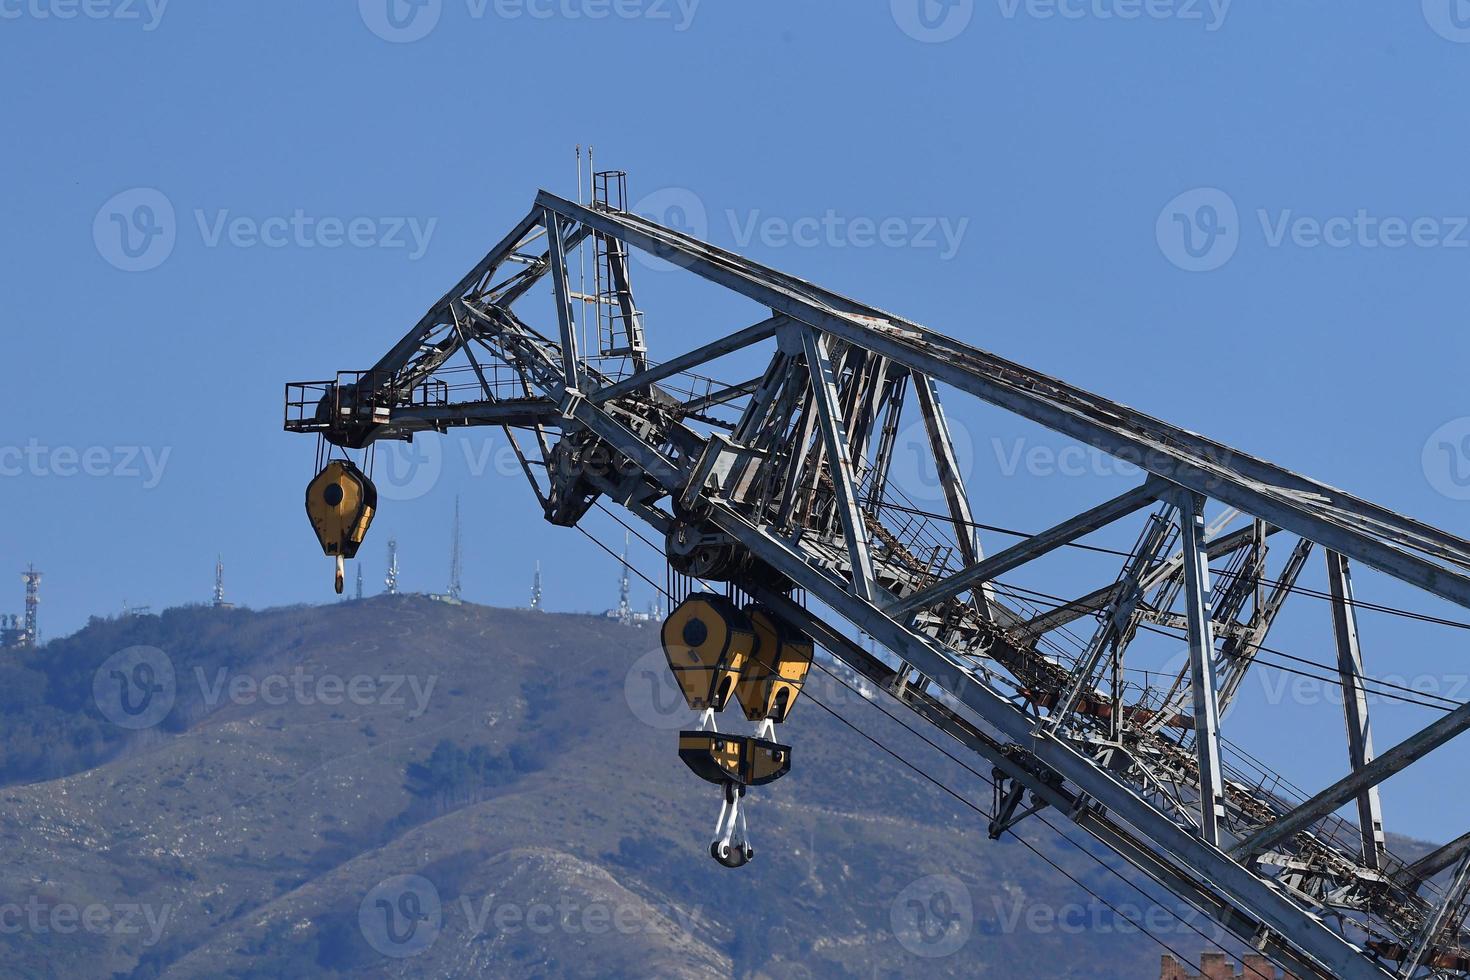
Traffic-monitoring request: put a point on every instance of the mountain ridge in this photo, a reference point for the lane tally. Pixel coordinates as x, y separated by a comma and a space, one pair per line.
284, 813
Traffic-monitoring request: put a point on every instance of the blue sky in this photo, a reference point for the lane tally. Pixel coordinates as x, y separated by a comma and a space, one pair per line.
1247, 219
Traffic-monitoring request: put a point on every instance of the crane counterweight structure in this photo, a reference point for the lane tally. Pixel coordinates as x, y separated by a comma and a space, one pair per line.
780, 487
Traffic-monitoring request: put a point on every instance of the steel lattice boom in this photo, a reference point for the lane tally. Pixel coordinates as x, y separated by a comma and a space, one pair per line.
780, 483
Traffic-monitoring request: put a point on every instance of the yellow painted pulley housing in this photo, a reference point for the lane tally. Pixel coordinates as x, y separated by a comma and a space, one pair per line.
707, 640
773, 675
340, 502
742, 759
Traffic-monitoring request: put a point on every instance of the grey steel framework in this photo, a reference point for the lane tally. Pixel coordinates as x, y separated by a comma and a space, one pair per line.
779, 484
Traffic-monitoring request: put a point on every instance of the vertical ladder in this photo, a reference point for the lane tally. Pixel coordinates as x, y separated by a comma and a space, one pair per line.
619, 323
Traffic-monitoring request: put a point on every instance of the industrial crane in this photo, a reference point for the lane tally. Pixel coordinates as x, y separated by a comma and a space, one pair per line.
778, 488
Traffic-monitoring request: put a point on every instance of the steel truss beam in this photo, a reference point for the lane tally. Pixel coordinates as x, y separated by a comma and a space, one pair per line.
1031, 548
796, 494
1389, 542
1359, 781
834, 435
1355, 705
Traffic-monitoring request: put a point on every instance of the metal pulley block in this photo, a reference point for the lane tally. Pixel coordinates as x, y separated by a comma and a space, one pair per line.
745, 759
706, 641
340, 502
733, 762
774, 673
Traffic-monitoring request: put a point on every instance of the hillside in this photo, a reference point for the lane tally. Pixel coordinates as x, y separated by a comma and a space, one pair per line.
399, 788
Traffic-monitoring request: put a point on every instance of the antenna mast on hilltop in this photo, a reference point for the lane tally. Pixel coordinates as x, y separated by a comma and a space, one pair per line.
625, 609
454, 558
391, 581
31, 631
219, 582
536, 589
359, 583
